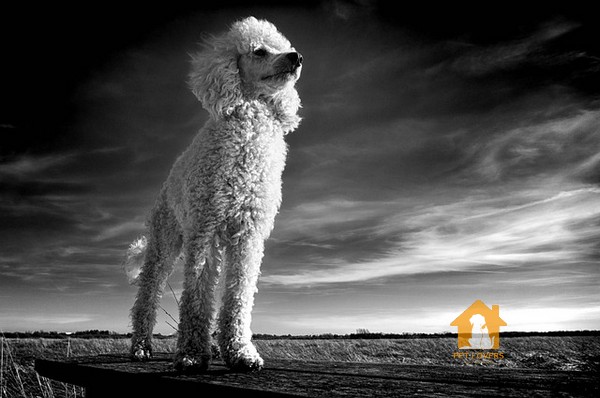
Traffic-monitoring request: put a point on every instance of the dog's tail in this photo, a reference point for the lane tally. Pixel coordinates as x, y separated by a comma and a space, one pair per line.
135, 259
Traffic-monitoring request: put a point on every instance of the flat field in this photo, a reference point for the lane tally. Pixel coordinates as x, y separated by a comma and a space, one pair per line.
575, 353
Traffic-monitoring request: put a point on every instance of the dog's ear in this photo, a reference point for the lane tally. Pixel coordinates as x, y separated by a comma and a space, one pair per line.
214, 77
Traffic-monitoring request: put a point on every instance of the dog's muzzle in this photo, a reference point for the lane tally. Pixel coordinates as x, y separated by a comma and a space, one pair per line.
295, 59
286, 66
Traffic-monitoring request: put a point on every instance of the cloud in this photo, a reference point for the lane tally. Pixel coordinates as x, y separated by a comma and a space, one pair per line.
479, 60
561, 146
29, 165
65, 201
46, 320
475, 234
530, 318
124, 228
588, 169
514, 196
346, 10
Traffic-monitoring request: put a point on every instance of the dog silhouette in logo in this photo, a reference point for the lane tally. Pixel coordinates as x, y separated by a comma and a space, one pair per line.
480, 336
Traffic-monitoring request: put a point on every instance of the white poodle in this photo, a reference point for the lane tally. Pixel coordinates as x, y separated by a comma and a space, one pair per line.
219, 202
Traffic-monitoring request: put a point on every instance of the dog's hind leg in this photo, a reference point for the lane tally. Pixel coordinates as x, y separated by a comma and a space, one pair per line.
164, 245
197, 308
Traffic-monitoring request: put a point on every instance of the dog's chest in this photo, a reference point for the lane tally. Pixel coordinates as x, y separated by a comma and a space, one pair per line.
253, 163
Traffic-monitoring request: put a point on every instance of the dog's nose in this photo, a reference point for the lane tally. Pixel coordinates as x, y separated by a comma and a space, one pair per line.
295, 59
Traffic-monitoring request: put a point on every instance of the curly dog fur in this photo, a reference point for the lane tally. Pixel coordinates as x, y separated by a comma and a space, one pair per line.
219, 202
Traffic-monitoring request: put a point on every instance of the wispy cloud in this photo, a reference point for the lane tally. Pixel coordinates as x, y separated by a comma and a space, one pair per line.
129, 228
480, 60
472, 234
563, 146
508, 197
46, 320
30, 165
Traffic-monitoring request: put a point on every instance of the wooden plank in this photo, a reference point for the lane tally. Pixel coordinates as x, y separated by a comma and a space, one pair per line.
115, 375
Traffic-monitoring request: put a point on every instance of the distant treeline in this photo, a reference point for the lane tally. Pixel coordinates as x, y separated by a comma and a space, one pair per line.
370, 335
107, 334
84, 334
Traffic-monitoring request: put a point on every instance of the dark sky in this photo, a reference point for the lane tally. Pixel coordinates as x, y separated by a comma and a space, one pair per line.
445, 155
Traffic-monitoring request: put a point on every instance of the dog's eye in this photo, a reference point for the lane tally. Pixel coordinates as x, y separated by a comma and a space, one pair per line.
261, 52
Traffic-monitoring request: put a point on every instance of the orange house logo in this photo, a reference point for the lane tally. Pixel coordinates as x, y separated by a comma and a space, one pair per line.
479, 327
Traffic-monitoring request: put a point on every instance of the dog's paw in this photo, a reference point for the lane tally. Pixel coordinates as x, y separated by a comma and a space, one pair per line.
246, 359
247, 364
141, 350
189, 364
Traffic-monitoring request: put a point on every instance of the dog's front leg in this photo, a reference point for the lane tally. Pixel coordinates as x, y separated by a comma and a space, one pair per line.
242, 268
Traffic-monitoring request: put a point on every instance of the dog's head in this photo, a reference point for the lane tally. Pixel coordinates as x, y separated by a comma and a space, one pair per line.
253, 61
477, 321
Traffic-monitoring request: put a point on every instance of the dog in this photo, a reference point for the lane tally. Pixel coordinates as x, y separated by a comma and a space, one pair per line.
220, 200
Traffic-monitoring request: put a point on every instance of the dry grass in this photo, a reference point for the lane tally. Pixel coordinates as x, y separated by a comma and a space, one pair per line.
19, 379
550, 353
580, 353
